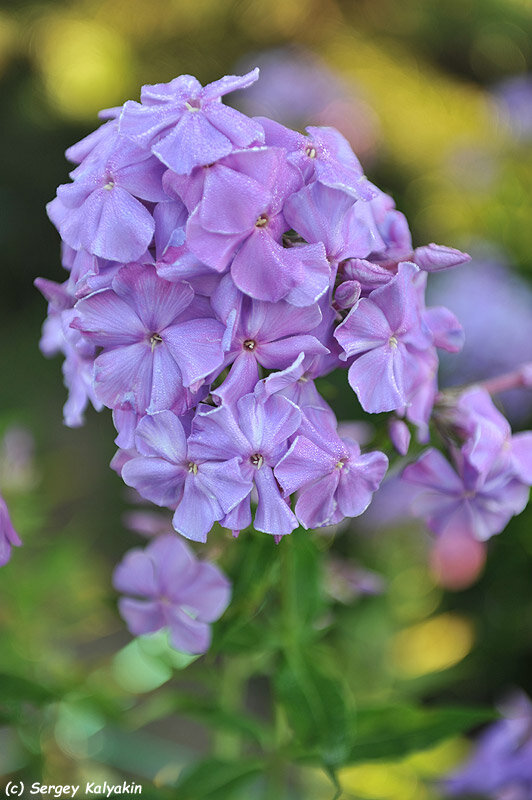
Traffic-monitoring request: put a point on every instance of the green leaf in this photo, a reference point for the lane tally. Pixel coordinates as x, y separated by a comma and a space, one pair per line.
213, 779
16, 688
218, 718
318, 709
395, 731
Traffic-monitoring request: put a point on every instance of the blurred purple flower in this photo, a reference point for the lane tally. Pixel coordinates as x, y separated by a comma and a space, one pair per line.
345, 581
501, 764
496, 341
17, 464
481, 503
167, 587
513, 98
8, 535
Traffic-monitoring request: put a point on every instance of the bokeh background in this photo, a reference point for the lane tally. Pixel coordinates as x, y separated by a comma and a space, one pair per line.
436, 99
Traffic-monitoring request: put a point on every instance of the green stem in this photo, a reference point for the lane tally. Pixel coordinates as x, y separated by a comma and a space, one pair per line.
289, 615
228, 745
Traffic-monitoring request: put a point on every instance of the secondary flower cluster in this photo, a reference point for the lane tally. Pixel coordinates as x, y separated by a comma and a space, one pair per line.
218, 265
492, 473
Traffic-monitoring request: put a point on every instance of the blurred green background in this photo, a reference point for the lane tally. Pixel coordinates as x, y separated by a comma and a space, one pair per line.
415, 97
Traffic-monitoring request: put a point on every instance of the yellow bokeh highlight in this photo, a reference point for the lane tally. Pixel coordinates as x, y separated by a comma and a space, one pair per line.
413, 594
438, 760
403, 779
85, 65
8, 39
433, 645
413, 777
287, 19
141, 20
423, 113
380, 781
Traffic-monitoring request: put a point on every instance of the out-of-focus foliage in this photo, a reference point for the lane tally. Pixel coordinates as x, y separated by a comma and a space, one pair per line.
78, 699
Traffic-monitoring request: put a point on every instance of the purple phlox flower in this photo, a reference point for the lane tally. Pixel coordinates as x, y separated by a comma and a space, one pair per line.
333, 478
345, 580
168, 587
385, 333
59, 337
256, 431
171, 472
96, 140
8, 535
478, 503
447, 332
399, 435
296, 384
320, 213
102, 211
324, 155
423, 391
175, 261
489, 439
87, 272
500, 766
269, 334
394, 231
186, 125
153, 345
239, 223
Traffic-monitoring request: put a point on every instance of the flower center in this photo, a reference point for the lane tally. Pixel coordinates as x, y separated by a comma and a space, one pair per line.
340, 464
249, 344
192, 467
110, 185
262, 221
257, 460
192, 105
310, 151
155, 339
392, 341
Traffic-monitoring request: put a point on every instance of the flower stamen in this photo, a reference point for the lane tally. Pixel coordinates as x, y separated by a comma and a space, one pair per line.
155, 339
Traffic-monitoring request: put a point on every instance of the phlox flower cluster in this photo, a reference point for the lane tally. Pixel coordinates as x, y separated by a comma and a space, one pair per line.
489, 479
217, 266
